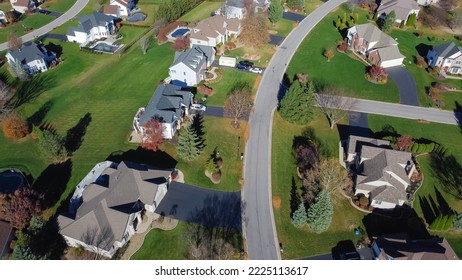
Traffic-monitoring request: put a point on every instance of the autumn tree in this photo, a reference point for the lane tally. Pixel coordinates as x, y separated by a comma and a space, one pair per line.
447, 5
16, 69
404, 142
329, 54
180, 44
320, 213
238, 104
275, 11
334, 105
152, 135
14, 127
99, 240
11, 16
22, 206
297, 104
254, 31
14, 42
333, 178
455, 20
306, 155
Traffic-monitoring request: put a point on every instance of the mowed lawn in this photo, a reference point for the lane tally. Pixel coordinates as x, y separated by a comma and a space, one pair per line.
282, 27
299, 243
33, 21
58, 5
202, 11
447, 135
341, 71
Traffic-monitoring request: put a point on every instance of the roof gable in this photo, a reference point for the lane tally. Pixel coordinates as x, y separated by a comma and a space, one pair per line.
29, 52
195, 57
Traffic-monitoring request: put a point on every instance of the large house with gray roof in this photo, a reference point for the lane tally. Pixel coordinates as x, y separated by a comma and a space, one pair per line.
33, 58
110, 208
236, 8
403, 9
214, 30
448, 57
189, 67
379, 48
382, 174
91, 27
169, 104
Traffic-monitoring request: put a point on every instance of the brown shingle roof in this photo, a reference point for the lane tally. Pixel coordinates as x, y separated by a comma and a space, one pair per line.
110, 9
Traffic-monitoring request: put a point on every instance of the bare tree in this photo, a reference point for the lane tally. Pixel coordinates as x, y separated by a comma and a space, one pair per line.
5, 96
238, 104
334, 105
254, 31
14, 42
456, 21
333, 178
447, 5
98, 241
145, 43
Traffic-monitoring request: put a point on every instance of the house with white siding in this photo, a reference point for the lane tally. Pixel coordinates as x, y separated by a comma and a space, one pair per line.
189, 67
22, 6
214, 30
125, 6
33, 58
448, 57
91, 27
236, 8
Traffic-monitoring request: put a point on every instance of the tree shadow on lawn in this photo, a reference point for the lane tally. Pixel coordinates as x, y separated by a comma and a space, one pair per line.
31, 89
295, 198
283, 87
75, 135
53, 181
37, 118
448, 171
159, 159
431, 209
49, 241
458, 115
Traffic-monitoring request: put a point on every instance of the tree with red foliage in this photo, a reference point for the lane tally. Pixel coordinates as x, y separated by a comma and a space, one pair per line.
22, 206
404, 142
152, 135
181, 44
377, 72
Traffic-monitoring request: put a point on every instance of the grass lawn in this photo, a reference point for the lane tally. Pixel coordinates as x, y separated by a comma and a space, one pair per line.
227, 145
311, 5
58, 5
37, 20
282, 27
409, 45
341, 71
164, 245
203, 11
300, 243
230, 78
150, 10
445, 134
264, 54
130, 33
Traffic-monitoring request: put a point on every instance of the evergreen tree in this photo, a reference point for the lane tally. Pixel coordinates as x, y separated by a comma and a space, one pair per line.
320, 213
24, 253
411, 19
389, 21
297, 106
275, 11
189, 145
300, 218
52, 145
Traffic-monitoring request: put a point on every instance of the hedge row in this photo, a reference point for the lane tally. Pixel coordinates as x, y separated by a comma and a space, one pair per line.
428, 148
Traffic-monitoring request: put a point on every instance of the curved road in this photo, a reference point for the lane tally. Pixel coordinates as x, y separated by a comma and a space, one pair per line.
70, 14
258, 220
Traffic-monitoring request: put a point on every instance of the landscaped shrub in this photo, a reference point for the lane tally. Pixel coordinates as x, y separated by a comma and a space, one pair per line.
230, 46
420, 62
364, 201
300, 218
457, 224
342, 48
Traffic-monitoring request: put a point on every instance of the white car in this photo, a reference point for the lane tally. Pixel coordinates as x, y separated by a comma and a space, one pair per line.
256, 70
198, 107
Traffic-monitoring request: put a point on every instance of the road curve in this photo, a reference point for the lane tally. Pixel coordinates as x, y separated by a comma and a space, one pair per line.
258, 219
70, 14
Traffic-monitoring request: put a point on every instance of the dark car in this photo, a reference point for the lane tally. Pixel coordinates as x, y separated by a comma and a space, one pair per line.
242, 67
246, 63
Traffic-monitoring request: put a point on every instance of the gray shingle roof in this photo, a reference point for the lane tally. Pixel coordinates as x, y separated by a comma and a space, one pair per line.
235, 3
165, 104
29, 52
446, 50
194, 57
371, 33
87, 22
389, 53
402, 8
356, 142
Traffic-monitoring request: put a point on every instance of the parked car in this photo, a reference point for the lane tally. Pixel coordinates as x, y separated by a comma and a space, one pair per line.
246, 63
257, 70
242, 67
198, 107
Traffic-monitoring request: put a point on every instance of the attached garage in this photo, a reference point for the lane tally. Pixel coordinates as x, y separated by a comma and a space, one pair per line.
390, 56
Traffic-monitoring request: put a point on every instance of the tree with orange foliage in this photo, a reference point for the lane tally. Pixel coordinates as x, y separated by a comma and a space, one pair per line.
328, 54
14, 127
404, 142
152, 135
181, 44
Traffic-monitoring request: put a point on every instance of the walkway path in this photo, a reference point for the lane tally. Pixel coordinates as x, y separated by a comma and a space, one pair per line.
258, 221
70, 14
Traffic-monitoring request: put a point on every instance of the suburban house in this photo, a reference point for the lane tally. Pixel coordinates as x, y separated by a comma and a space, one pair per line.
189, 67
426, 2
111, 10
214, 30
401, 247
91, 27
448, 57
125, 6
382, 174
403, 9
111, 207
32, 57
236, 8
22, 6
379, 48
6, 236
169, 104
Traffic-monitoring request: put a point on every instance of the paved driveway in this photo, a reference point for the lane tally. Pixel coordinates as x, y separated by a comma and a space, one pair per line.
406, 85
358, 123
276, 40
293, 16
202, 206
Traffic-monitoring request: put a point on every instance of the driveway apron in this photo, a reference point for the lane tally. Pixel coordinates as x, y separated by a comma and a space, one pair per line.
406, 85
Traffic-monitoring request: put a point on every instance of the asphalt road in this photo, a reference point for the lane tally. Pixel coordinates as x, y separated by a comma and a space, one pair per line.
406, 85
70, 14
258, 220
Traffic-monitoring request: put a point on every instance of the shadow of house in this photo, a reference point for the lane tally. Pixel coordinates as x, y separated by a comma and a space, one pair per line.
345, 250
37, 118
57, 49
158, 159
75, 135
53, 181
422, 49
458, 115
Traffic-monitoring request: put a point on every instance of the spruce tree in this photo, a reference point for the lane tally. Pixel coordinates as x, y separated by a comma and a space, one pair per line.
320, 213
275, 11
300, 218
389, 21
189, 145
297, 106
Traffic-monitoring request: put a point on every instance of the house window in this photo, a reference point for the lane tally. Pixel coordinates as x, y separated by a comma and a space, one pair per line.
184, 73
172, 71
448, 60
378, 202
459, 62
455, 70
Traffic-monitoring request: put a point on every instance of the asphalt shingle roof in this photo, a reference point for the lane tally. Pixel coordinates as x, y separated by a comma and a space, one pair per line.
194, 57
28, 52
402, 8
447, 50
87, 22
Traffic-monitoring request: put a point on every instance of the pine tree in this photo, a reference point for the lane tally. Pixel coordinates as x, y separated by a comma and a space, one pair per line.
300, 218
189, 145
297, 106
320, 213
389, 21
275, 11
24, 253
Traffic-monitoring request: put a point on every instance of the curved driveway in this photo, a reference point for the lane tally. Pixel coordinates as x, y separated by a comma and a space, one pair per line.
258, 221
70, 14
406, 85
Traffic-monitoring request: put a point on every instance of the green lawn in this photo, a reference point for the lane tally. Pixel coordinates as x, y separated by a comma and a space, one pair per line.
58, 5
229, 79
341, 71
282, 27
203, 11
300, 243
164, 245
37, 20
262, 55
150, 10
311, 5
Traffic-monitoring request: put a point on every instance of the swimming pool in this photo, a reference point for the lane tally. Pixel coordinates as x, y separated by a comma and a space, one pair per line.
105, 48
136, 17
11, 180
179, 32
